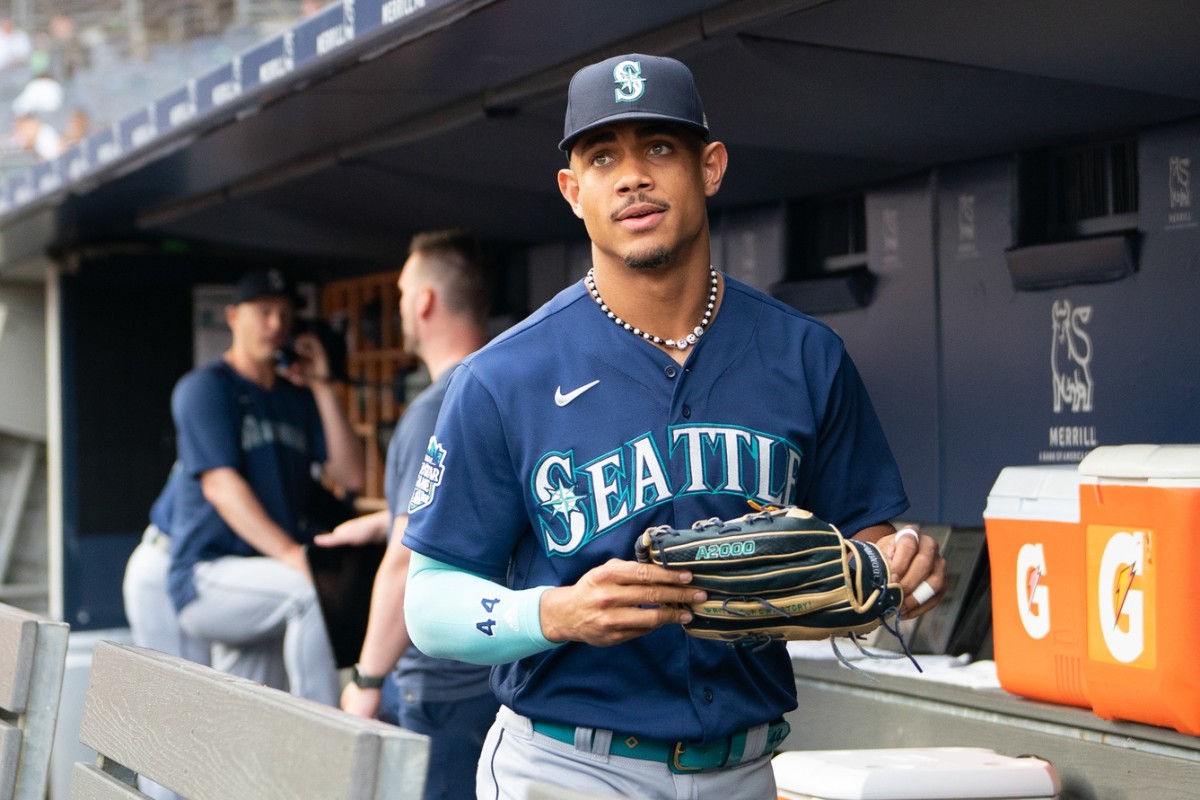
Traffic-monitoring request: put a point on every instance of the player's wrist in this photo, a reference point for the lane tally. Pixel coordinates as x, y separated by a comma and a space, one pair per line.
366, 680
289, 552
319, 378
552, 633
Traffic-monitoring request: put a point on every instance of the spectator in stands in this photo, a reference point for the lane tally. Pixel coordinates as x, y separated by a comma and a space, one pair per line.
15, 45
37, 136
443, 316
76, 128
42, 95
249, 435
66, 53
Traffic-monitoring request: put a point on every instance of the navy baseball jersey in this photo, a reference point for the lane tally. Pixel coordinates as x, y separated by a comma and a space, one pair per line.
565, 438
271, 437
420, 677
160, 512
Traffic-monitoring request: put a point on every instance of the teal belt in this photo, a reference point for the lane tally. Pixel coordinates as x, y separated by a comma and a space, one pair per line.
681, 757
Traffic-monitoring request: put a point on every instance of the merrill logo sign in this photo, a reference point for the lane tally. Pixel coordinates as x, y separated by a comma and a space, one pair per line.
1179, 192
1071, 357
1071, 382
399, 9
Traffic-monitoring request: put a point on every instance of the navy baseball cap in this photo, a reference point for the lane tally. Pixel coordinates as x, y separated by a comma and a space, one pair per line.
632, 87
264, 283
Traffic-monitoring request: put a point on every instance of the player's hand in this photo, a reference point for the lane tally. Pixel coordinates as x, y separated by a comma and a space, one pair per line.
361, 702
312, 363
617, 601
918, 566
358, 531
297, 559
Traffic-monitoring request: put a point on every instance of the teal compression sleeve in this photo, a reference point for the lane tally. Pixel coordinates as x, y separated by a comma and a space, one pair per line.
452, 613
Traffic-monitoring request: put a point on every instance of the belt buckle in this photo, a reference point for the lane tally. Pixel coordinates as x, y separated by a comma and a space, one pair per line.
709, 757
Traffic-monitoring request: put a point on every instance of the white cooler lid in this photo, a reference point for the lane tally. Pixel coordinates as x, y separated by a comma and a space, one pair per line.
913, 773
1048, 492
1167, 464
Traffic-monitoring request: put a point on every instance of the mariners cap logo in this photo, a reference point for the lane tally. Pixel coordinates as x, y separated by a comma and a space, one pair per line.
615, 90
630, 84
261, 283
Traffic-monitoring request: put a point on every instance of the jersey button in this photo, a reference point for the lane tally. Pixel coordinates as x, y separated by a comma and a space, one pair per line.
708, 695
671, 372
687, 412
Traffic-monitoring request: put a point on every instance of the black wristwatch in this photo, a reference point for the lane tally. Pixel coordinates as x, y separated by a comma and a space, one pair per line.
365, 681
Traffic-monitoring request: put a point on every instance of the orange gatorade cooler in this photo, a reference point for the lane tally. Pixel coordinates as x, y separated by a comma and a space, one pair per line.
1036, 552
1140, 508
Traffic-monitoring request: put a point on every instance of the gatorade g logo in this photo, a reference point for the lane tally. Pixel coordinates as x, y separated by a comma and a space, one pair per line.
1120, 607
1121, 596
630, 84
1033, 596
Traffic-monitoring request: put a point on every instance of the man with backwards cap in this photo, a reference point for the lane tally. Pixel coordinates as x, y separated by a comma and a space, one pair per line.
656, 391
248, 435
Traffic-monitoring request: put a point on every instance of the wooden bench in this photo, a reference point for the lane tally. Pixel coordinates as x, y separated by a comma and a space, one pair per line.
210, 736
33, 651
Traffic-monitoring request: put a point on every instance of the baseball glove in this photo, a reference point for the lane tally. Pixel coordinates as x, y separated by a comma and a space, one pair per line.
778, 574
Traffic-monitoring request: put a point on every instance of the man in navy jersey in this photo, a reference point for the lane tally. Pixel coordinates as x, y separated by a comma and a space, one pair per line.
444, 308
249, 434
656, 391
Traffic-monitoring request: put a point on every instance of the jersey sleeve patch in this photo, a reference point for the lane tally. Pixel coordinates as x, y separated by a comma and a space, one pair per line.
429, 478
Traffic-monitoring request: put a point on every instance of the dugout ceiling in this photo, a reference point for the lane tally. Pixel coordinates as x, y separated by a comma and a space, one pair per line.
447, 112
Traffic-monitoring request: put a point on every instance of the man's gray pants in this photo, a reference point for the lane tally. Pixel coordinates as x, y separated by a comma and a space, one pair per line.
153, 621
516, 759
245, 606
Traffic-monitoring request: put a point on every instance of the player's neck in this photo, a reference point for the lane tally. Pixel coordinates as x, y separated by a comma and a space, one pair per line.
259, 372
667, 302
441, 352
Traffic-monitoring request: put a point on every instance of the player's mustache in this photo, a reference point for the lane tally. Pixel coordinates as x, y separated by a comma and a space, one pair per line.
639, 199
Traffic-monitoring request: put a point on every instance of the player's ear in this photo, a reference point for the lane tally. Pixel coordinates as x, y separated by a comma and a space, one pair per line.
424, 302
714, 159
568, 184
230, 315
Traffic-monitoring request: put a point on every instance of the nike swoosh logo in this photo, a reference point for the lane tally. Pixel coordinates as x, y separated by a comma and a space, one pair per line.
561, 399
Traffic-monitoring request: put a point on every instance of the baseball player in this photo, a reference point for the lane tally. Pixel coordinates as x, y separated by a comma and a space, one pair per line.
248, 437
656, 391
443, 314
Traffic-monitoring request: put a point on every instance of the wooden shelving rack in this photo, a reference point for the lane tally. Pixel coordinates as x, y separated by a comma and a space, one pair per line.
367, 309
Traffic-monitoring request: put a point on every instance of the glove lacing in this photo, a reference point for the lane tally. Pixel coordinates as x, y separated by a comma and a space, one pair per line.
890, 620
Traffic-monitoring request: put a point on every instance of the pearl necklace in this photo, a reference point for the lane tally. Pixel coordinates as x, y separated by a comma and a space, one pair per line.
680, 344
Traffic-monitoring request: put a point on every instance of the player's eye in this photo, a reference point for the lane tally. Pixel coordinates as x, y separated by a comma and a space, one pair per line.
600, 159
661, 149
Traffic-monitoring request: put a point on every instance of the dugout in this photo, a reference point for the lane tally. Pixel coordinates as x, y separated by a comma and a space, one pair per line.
954, 188
892, 169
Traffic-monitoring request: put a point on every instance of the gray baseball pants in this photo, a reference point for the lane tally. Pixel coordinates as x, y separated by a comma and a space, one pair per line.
153, 621
246, 606
516, 758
